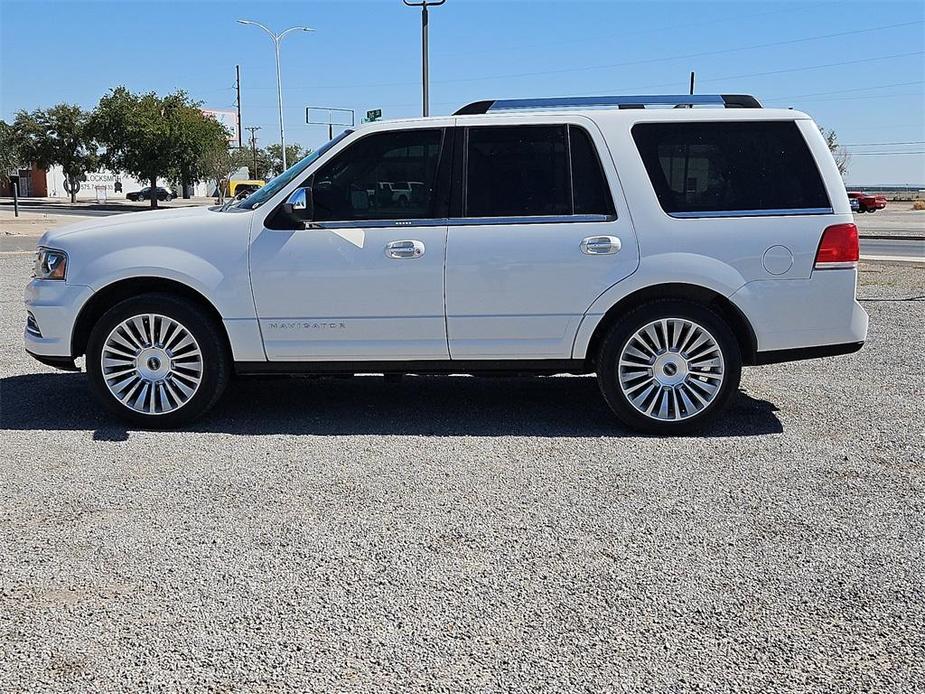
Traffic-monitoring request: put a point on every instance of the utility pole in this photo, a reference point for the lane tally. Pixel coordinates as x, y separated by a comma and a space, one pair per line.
692, 82
237, 86
254, 129
425, 77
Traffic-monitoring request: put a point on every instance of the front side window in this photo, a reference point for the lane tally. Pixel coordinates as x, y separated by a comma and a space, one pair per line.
276, 184
389, 175
730, 167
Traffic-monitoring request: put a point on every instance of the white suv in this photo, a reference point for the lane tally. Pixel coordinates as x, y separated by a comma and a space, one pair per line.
661, 248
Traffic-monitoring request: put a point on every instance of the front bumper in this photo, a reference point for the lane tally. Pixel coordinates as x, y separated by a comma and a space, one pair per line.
54, 306
63, 363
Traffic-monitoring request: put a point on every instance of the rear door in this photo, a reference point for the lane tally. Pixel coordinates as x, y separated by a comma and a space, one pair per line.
539, 230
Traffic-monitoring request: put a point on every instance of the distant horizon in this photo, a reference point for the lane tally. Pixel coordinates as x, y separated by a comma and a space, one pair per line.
887, 186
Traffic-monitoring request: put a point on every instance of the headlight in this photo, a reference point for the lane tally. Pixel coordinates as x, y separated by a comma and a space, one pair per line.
49, 264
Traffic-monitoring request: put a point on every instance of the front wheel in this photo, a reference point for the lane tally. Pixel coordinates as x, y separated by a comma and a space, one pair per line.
157, 361
669, 367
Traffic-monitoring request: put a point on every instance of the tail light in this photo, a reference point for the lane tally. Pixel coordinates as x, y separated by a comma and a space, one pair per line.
838, 247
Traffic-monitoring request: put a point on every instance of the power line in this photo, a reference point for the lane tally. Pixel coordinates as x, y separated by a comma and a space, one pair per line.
879, 144
609, 37
845, 91
691, 55
644, 61
862, 97
802, 68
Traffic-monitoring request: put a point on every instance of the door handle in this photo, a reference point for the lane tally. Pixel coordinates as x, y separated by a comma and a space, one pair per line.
404, 249
600, 245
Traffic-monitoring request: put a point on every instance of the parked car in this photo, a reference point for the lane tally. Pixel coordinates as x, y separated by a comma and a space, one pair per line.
661, 249
145, 194
241, 189
855, 204
406, 192
868, 202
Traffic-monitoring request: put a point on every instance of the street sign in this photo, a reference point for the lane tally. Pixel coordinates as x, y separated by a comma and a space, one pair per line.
322, 115
375, 114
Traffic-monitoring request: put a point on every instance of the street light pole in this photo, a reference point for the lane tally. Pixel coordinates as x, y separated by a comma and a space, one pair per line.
425, 76
277, 38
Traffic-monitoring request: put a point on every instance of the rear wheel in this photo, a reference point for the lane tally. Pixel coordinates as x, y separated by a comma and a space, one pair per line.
157, 361
669, 367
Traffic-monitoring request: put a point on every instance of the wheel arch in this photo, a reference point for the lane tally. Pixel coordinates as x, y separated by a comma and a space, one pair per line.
738, 322
108, 296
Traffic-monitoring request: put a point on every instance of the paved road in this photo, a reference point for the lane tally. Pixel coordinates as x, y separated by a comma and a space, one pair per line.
893, 247
92, 210
64, 210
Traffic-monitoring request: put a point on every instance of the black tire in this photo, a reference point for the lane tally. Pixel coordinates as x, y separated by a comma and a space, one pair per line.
613, 345
216, 363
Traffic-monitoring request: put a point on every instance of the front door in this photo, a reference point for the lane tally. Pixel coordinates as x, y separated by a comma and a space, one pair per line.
364, 280
537, 239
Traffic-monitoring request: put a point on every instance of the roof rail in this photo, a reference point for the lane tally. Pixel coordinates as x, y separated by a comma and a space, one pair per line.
681, 100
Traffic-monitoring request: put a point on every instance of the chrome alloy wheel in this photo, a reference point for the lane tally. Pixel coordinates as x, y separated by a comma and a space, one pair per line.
151, 364
671, 369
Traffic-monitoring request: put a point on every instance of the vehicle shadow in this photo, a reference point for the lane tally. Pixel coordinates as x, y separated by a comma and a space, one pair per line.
418, 406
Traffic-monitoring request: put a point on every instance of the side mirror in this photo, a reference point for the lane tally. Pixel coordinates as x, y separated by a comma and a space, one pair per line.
299, 208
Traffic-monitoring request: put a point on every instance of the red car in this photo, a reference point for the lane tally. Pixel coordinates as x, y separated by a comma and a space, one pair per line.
868, 202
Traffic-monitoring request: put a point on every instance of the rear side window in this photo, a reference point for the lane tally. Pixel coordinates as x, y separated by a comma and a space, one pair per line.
590, 192
533, 170
517, 171
730, 167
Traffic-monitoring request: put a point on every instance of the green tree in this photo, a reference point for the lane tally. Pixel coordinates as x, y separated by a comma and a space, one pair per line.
219, 163
272, 158
150, 137
60, 135
135, 131
197, 140
9, 151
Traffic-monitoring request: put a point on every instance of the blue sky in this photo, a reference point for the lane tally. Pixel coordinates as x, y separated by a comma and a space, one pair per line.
858, 67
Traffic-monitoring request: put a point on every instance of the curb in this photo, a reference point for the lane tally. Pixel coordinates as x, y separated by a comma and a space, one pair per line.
888, 237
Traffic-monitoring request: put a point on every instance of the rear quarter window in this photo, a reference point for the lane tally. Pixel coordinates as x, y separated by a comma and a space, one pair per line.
730, 168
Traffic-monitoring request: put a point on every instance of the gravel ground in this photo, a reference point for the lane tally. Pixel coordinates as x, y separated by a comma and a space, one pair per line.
471, 534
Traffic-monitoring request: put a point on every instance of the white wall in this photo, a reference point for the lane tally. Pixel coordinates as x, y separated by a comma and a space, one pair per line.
108, 179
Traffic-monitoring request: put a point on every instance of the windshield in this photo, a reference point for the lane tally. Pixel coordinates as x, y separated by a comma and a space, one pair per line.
258, 197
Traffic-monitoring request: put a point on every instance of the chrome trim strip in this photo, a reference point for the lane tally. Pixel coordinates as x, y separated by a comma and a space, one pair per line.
378, 224
545, 219
841, 265
463, 221
752, 213
603, 101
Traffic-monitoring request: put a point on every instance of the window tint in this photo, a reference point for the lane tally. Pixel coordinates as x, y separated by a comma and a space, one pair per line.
730, 166
514, 171
383, 176
590, 191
